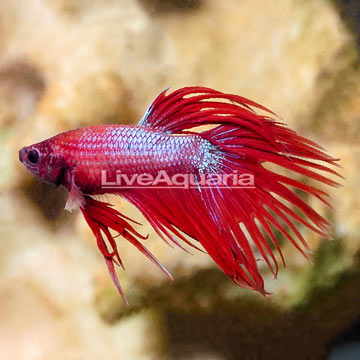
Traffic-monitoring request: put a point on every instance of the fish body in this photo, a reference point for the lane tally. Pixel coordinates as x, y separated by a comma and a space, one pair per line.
218, 215
87, 152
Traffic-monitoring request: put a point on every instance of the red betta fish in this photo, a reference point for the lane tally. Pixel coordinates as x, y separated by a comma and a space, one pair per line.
223, 217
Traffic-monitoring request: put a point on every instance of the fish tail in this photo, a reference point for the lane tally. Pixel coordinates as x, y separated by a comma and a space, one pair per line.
260, 201
237, 223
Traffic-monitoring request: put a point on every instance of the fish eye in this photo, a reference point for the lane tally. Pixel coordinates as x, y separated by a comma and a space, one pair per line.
33, 156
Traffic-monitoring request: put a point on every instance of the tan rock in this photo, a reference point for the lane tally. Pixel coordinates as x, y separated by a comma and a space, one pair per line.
96, 62
270, 51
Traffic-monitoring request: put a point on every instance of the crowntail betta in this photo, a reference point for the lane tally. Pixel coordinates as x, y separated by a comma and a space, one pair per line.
235, 225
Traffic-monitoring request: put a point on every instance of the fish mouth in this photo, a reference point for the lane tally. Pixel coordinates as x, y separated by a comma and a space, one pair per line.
22, 153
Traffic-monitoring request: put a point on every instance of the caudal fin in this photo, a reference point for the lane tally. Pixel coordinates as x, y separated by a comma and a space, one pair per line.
231, 222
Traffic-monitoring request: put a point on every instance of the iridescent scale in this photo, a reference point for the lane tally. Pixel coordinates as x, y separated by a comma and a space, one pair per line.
128, 150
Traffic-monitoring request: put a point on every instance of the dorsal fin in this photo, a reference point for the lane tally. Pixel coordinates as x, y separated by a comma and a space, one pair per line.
195, 105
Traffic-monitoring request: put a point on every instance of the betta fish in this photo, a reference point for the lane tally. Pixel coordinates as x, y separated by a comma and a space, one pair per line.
234, 221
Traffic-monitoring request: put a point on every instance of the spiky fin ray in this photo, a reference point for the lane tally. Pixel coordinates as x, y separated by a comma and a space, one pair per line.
192, 216
246, 140
101, 217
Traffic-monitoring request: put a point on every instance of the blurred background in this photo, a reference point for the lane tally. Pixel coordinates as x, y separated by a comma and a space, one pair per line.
65, 64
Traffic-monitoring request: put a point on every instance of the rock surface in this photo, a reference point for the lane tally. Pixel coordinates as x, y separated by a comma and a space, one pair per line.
65, 64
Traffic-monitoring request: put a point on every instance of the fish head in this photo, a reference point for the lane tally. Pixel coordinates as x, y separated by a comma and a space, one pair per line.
43, 162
